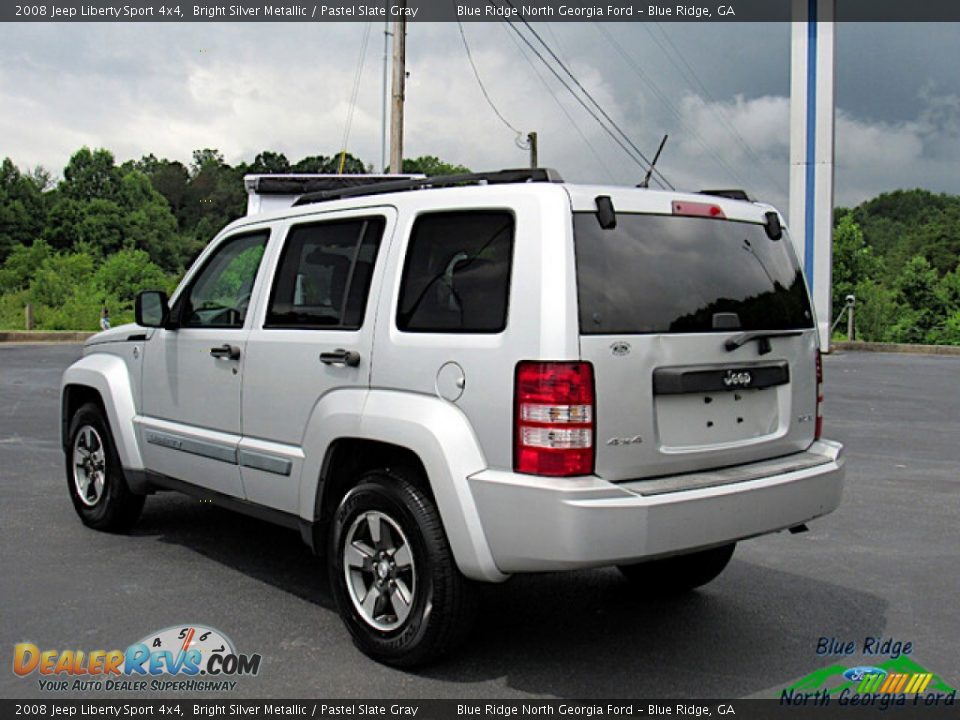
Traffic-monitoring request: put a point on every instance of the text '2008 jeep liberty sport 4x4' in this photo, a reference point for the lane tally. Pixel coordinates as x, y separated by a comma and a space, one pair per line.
451, 380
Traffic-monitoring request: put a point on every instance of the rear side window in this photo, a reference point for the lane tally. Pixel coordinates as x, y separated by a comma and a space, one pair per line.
323, 277
670, 274
456, 277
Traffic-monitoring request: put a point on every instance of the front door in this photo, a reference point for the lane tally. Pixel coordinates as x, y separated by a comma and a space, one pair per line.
190, 422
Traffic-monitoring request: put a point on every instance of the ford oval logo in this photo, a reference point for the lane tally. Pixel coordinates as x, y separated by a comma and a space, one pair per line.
857, 673
738, 378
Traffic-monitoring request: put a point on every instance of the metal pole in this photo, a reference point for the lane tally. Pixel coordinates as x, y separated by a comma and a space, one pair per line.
399, 82
532, 142
851, 330
28, 316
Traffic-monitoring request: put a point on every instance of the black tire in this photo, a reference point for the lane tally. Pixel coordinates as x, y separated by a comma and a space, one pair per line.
107, 505
680, 573
442, 603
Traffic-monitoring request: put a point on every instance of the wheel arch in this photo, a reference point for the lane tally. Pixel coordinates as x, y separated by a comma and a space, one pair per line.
396, 429
104, 380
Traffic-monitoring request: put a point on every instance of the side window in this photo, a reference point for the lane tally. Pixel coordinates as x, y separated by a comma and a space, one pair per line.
456, 277
323, 277
219, 296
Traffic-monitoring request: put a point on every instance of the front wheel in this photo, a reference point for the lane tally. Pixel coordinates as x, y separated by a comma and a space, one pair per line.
393, 575
95, 478
680, 573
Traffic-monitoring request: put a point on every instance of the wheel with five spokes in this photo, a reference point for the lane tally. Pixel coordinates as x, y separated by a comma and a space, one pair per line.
95, 478
393, 575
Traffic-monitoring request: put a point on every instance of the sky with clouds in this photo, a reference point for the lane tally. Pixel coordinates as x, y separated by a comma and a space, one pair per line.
720, 91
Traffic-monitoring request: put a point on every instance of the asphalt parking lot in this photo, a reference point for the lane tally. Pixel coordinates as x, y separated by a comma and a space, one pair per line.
887, 564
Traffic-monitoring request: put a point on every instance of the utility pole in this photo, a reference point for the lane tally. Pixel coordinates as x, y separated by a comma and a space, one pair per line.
383, 95
399, 81
532, 143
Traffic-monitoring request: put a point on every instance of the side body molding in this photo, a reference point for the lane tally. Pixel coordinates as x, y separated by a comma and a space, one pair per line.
108, 375
437, 432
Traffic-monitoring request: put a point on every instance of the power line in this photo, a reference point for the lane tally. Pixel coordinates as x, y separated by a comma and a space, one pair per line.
583, 103
483, 88
714, 106
353, 96
666, 102
587, 93
560, 105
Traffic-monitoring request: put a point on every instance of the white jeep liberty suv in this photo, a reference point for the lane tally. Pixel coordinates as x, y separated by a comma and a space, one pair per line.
446, 381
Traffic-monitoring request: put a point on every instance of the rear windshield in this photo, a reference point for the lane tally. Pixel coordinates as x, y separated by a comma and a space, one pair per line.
670, 274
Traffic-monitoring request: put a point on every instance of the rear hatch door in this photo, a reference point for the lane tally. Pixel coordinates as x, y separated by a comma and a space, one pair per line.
700, 332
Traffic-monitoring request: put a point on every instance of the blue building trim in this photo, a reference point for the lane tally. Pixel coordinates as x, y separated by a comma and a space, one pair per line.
810, 181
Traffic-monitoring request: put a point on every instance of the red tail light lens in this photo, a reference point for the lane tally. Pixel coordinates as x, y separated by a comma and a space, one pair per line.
553, 422
818, 429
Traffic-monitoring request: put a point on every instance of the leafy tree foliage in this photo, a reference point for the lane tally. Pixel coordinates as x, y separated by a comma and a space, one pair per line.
104, 232
432, 166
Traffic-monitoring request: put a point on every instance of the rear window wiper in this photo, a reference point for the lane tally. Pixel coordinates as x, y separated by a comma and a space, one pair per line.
761, 336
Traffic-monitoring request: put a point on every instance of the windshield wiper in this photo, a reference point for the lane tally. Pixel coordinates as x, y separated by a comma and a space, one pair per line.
761, 336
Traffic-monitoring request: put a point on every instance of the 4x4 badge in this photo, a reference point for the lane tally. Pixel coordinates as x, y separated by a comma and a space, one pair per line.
620, 348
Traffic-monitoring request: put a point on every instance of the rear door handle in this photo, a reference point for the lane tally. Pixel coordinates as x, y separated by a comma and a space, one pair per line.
231, 352
350, 358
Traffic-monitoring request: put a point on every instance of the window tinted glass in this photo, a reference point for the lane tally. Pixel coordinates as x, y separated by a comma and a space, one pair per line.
457, 273
220, 294
658, 274
323, 278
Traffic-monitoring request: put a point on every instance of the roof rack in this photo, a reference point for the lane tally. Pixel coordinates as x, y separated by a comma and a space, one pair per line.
500, 177
730, 194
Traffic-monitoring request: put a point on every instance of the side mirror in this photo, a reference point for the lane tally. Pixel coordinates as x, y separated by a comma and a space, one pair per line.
151, 309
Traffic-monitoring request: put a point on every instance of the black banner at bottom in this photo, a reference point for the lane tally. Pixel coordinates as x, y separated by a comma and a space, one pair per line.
480, 709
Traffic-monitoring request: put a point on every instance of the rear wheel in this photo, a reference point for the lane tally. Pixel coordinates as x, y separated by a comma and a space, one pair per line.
680, 573
95, 478
393, 575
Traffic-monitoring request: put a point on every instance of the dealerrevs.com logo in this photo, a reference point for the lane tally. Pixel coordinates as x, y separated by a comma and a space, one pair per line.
187, 658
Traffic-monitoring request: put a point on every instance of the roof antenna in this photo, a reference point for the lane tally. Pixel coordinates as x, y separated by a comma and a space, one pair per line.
646, 180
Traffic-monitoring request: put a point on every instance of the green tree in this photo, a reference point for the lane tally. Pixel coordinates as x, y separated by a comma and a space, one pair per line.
59, 277
91, 174
21, 265
853, 259
920, 307
22, 207
268, 162
126, 273
432, 166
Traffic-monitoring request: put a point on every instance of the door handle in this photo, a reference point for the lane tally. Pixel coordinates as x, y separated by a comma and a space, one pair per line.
231, 352
350, 358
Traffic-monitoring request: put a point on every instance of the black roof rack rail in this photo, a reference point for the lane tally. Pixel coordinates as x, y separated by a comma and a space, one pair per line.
730, 194
522, 175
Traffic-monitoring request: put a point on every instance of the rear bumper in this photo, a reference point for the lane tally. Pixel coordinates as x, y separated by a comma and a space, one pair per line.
537, 524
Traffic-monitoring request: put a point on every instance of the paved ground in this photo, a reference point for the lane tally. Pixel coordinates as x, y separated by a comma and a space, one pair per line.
885, 564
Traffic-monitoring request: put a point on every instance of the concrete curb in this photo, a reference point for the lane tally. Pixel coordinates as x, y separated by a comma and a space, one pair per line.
856, 346
43, 336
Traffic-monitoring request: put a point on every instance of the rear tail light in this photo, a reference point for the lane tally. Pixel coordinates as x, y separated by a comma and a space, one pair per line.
553, 422
818, 429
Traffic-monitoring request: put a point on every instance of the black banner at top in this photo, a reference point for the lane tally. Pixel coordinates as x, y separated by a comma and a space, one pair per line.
478, 10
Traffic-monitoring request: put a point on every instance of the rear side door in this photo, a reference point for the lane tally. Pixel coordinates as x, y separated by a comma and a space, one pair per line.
190, 423
701, 335
313, 337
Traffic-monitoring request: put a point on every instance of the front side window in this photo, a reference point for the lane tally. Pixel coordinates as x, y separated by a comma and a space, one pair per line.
323, 278
219, 297
456, 277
